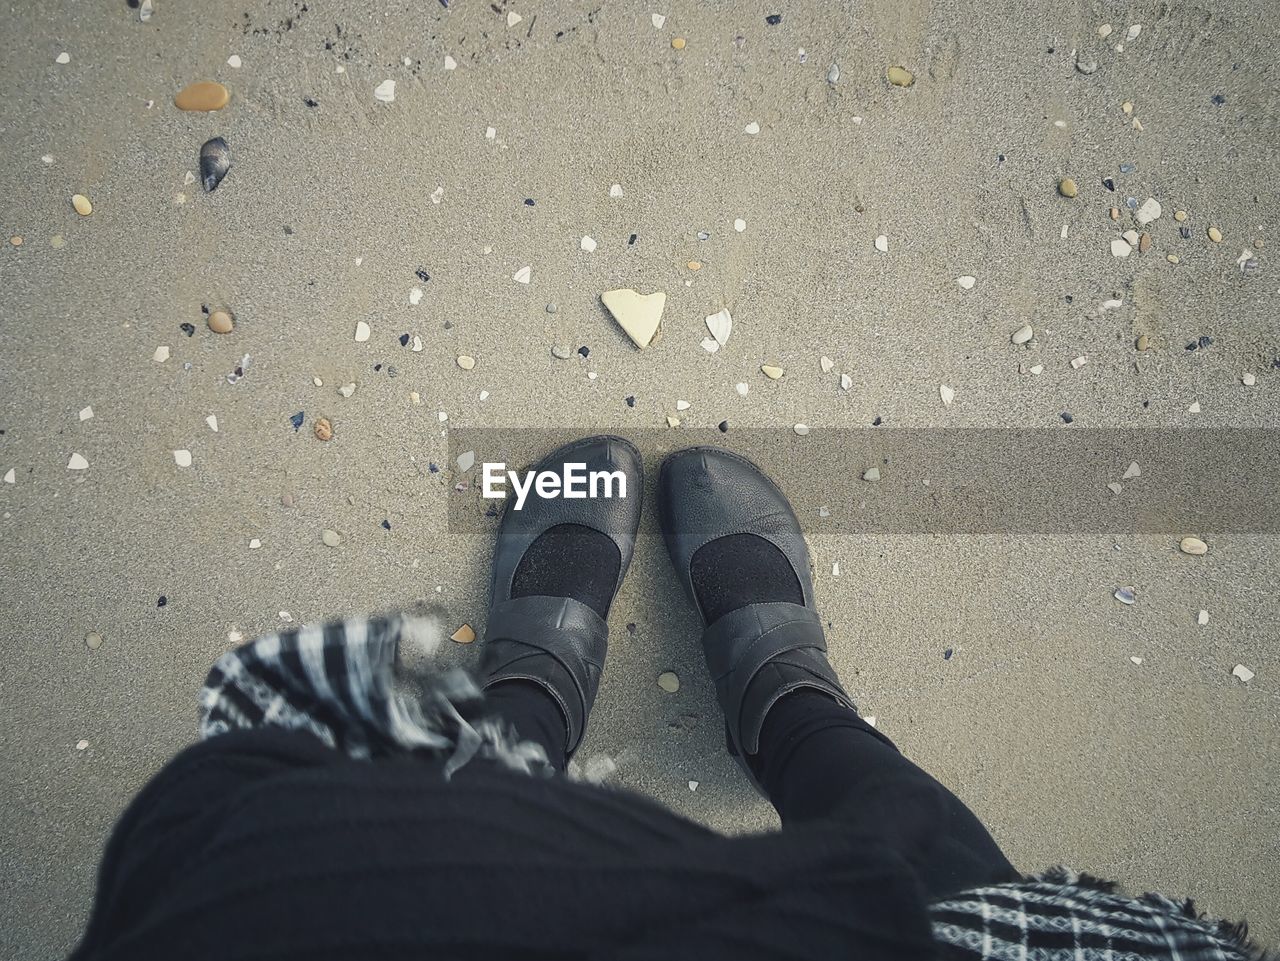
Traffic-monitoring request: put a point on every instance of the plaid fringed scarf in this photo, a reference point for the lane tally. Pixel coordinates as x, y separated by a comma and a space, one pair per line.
347, 683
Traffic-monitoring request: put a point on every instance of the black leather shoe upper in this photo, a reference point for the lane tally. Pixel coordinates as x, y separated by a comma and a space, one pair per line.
706, 493
558, 642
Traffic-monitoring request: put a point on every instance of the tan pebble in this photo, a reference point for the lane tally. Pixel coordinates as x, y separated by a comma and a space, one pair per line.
694, 265
1144, 243
1259, 244
93, 641
323, 429
669, 681
1067, 187
82, 205
1179, 215
16, 240
204, 95
673, 421
331, 538
677, 43
1193, 546
221, 322
1127, 106
1172, 258
287, 500
773, 373
463, 635
1115, 213
1144, 342
900, 76
466, 362
57, 241
415, 397
1215, 235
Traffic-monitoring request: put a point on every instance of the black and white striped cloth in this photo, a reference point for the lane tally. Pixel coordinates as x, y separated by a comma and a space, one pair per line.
348, 684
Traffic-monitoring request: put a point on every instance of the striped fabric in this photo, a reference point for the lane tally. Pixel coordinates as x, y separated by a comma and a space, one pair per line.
346, 683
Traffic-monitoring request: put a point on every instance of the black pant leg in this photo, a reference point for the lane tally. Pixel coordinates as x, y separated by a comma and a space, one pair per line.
819, 760
534, 714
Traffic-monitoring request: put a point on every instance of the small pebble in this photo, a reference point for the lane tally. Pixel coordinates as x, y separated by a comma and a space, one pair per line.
966, 282
801, 429
83, 745
669, 681
1067, 187
552, 308
1248, 380
833, 73
742, 389
1144, 243
161, 354
1120, 248
946, 394
845, 381
773, 373
1202, 618
93, 640
466, 362
882, 244
564, 353
362, 332
1114, 213
1215, 235
1240, 671
900, 76
1022, 335
1143, 342
723, 426
63, 58
221, 322
673, 421
1193, 546
677, 43
739, 225
182, 458
463, 635
871, 474
202, 96
331, 538
81, 203
1179, 215
323, 429
1084, 64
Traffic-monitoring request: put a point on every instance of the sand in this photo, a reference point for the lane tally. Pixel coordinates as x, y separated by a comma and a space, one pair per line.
1160, 774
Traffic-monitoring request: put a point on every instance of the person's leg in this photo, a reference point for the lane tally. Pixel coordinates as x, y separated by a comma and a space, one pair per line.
740, 552
818, 759
534, 714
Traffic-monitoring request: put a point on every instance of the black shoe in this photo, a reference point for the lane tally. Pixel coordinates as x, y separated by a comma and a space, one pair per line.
738, 549
556, 567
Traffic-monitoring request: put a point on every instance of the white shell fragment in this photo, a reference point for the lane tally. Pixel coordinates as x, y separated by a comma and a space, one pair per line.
212, 421
11, 476
182, 458
450, 63
1202, 618
882, 244
739, 225
588, 245
742, 389
1194, 408
947, 394
721, 325
1248, 380
346, 390
639, 315
1136, 660
77, 462
437, 195
362, 332
161, 354
966, 282
801, 429
1120, 248
1132, 33
1022, 335
1243, 673
385, 91
845, 381
826, 363
523, 275
1193, 546
1132, 471
657, 19
86, 414
1115, 487
513, 18
234, 61
615, 191
1149, 211
1125, 595
693, 785
63, 57
770, 371
872, 474
466, 460
1079, 362
751, 129
415, 296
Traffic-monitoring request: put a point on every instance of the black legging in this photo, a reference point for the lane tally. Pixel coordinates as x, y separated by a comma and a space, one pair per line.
819, 760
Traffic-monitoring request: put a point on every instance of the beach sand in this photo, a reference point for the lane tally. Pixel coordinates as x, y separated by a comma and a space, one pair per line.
1160, 774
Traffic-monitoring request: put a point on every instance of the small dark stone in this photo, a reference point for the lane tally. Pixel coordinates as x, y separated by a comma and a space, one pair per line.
422, 275
432, 468
631, 628
188, 329
1128, 168
393, 370
386, 525
528, 201
631, 402
404, 340
1184, 233
724, 426
773, 19
1146, 404
877, 422
311, 102
377, 367
946, 655
1205, 342
632, 241
492, 511
1000, 158
204, 309
296, 420
162, 602
1070, 299
1109, 184
1194, 345
1217, 100
288, 231
1067, 418
584, 351
448, 325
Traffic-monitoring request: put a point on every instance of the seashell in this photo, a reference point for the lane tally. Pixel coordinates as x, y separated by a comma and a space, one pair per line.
215, 161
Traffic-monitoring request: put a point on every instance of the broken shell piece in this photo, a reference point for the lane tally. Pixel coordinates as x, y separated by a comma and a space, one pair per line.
845, 381
801, 429
215, 161
161, 354
966, 282
1131, 237
415, 296
11, 476
1132, 471
615, 191
331, 538
639, 315
466, 362
742, 389
1149, 211
463, 635
682, 405
872, 474
1193, 546
669, 681
346, 390
450, 63
751, 129
1202, 618
1248, 380
900, 76
182, 458
947, 394
739, 225
1243, 673
1114, 487
362, 332
86, 413
709, 345
882, 244
385, 91
1136, 660
1079, 362
1125, 595
773, 373
212, 421
77, 462
673, 421
523, 275
513, 18
826, 363
1120, 248
721, 325
202, 96
588, 245
1022, 335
